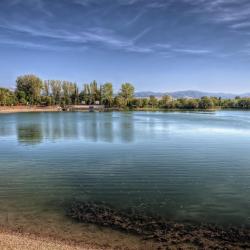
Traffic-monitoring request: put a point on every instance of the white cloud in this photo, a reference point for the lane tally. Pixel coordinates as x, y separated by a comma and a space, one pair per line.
241, 25
222, 10
97, 35
193, 51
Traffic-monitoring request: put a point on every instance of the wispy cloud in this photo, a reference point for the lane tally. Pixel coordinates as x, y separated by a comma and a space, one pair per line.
223, 10
193, 51
241, 25
163, 46
98, 33
147, 4
98, 36
32, 45
141, 34
136, 18
93, 36
39, 5
245, 52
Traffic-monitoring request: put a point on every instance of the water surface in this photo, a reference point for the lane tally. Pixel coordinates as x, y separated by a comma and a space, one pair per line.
192, 166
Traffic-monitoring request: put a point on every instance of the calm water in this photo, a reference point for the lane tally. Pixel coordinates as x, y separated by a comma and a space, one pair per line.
183, 166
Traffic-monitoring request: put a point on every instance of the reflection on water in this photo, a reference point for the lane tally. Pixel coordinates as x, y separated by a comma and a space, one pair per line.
29, 133
33, 128
183, 166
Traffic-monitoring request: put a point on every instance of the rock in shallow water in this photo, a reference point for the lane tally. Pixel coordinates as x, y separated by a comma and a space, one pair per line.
205, 236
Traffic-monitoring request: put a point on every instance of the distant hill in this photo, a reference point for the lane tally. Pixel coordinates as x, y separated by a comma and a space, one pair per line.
189, 94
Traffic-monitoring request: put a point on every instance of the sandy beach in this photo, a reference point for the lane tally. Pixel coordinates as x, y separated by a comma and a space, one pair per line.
17, 241
20, 109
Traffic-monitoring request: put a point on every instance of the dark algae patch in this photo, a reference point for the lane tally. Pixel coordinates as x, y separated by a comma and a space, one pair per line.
169, 234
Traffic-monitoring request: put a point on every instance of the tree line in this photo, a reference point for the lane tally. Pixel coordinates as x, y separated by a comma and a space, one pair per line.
31, 90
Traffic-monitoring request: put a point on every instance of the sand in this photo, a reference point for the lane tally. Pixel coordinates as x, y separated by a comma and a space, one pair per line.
18, 109
15, 241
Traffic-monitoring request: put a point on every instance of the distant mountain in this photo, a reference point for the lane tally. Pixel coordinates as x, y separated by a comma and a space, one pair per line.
149, 93
245, 95
188, 94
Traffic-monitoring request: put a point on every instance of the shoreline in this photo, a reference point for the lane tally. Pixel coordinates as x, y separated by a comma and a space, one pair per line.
23, 238
86, 108
28, 109
178, 236
17, 240
167, 233
96, 226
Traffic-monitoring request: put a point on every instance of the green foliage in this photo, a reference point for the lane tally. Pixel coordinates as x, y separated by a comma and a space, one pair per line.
127, 93
70, 93
21, 97
29, 88
46, 100
153, 102
91, 93
107, 94
120, 102
7, 97
166, 102
56, 90
206, 103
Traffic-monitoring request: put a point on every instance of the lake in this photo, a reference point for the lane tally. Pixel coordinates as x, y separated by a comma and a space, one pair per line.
184, 166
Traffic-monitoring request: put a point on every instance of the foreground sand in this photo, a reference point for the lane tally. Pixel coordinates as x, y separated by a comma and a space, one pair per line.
15, 241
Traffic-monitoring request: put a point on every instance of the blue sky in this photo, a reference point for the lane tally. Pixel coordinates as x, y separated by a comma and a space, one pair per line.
156, 45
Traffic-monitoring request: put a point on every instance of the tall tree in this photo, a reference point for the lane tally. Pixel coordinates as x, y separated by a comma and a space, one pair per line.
107, 94
127, 92
85, 94
95, 92
31, 86
68, 89
74, 94
56, 90
166, 101
46, 88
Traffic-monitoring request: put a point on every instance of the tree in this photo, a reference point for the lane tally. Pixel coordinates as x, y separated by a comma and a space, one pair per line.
56, 90
66, 89
153, 101
144, 102
120, 102
166, 101
192, 104
135, 103
70, 92
91, 93
84, 95
107, 94
75, 94
244, 103
31, 86
21, 97
7, 97
206, 103
127, 92
46, 88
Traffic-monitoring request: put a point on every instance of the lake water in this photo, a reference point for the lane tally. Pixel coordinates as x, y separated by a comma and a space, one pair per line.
192, 166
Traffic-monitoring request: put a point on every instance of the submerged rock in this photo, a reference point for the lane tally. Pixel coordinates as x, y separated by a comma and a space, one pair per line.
169, 233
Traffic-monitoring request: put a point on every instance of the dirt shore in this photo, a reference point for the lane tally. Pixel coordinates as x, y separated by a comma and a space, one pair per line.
19, 109
18, 241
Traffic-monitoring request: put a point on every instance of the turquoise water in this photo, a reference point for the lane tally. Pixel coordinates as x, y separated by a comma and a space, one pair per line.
183, 166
